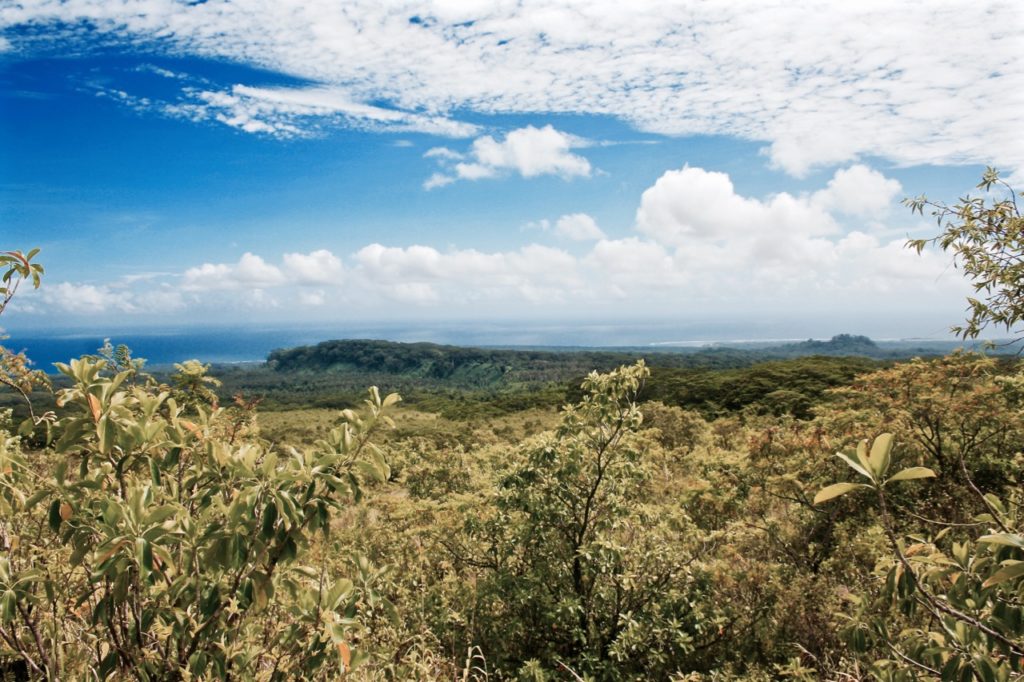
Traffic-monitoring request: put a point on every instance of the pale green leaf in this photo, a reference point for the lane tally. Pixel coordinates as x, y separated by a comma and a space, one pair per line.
835, 490
1003, 539
1009, 571
911, 473
881, 454
856, 467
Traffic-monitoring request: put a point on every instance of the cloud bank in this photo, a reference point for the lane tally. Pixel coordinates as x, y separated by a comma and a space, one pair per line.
696, 244
820, 83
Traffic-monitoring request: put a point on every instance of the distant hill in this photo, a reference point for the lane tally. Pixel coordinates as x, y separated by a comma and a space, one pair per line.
484, 367
713, 380
467, 382
452, 365
841, 344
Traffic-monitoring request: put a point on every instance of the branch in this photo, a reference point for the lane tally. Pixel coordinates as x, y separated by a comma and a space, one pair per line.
934, 602
916, 664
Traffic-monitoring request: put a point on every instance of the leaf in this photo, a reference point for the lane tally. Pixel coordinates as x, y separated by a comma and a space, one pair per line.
144, 557
269, 519
881, 454
862, 455
1003, 539
161, 514
856, 467
835, 490
191, 427
115, 547
8, 606
912, 473
94, 407
35, 499
346, 656
106, 432
341, 589
1007, 572
54, 515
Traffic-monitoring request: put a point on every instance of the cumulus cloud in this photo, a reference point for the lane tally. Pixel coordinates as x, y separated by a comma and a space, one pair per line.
859, 191
423, 273
633, 263
578, 227
78, 298
694, 205
528, 151
84, 298
250, 272
318, 267
819, 83
698, 244
726, 246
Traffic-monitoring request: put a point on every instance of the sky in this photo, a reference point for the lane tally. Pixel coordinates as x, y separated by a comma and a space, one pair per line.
273, 162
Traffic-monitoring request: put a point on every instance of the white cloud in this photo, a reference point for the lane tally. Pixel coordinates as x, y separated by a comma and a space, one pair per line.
859, 191
631, 263
84, 298
729, 247
312, 298
818, 83
531, 151
578, 227
442, 153
425, 274
296, 112
699, 245
437, 180
162, 72
251, 272
694, 205
162, 299
528, 151
120, 297
318, 267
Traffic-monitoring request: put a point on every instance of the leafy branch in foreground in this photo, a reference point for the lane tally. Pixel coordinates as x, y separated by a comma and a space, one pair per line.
987, 238
169, 553
15, 369
17, 267
959, 601
150, 543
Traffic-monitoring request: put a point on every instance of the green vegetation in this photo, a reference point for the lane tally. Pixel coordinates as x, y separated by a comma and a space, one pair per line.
518, 521
987, 238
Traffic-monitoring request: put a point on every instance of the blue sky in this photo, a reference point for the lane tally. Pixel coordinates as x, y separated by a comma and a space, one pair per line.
281, 163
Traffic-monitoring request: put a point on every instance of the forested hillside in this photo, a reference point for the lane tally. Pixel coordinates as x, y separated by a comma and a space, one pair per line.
469, 367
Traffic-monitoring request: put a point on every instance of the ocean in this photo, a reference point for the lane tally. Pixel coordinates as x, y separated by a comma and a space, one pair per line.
247, 344
241, 344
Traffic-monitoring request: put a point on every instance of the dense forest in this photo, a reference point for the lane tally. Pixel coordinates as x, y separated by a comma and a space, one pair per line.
522, 515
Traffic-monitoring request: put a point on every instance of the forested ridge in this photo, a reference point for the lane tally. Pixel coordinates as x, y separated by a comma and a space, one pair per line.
817, 518
471, 365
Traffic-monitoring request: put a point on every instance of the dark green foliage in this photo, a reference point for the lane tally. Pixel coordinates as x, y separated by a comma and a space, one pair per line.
774, 387
468, 367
